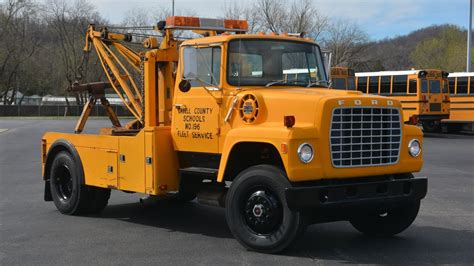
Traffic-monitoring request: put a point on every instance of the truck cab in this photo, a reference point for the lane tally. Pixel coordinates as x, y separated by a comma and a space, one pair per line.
222, 120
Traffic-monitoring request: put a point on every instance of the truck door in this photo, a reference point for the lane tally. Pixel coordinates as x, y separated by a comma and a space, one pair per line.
195, 122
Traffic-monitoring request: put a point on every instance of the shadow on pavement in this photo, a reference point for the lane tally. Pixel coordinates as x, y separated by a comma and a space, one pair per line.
185, 217
324, 242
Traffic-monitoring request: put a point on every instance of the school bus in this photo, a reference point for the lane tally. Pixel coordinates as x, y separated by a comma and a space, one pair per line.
343, 78
424, 94
462, 101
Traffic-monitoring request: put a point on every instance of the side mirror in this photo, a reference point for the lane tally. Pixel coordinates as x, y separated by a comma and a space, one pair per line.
184, 85
190, 71
327, 58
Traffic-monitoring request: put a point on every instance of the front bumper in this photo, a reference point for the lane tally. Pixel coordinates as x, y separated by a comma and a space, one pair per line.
357, 194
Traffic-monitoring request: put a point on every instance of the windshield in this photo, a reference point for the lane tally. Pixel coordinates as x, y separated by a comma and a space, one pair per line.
274, 63
435, 86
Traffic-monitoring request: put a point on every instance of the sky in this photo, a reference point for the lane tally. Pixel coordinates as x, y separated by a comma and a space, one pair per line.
379, 18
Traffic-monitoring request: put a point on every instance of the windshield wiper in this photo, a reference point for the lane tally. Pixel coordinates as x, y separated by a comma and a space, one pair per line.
318, 82
273, 82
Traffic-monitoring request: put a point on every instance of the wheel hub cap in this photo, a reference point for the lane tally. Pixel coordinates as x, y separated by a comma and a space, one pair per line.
263, 212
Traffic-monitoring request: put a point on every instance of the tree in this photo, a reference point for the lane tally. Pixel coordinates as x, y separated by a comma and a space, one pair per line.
346, 40
446, 51
279, 16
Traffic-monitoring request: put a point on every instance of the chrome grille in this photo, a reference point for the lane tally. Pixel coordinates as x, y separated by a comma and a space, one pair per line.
365, 136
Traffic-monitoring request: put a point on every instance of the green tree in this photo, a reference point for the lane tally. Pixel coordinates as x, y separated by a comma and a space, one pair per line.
446, 51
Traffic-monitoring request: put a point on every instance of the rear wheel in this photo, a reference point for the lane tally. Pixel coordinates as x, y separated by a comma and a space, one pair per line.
257, 213
388, 222
69, 194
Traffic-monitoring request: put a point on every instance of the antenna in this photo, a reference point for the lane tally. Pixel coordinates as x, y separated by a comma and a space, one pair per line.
172, 7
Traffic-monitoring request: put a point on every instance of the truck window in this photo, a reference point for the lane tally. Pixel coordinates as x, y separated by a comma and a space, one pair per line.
462, 85
251, 65
339, 83
399, 85
255, 62
385, 85
209, 66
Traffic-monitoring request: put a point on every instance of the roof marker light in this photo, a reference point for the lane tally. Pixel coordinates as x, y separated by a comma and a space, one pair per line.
195, 23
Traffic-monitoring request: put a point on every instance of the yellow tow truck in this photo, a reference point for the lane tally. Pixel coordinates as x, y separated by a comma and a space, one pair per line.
217, 117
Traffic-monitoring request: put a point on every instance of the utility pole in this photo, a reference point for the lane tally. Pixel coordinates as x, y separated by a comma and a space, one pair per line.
172, 7
469, 37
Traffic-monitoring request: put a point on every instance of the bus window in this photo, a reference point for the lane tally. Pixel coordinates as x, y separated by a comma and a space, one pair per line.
339, 83
424, 86
435, 86
399, 85
462, 85
385, 85
374, 85
362, 84
452, 81
412, 86
351, 84
445, 87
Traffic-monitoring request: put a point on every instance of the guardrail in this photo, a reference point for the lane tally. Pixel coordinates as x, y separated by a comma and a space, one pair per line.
57, 110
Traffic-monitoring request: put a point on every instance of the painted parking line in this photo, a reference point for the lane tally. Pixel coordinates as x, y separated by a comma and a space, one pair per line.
3, 130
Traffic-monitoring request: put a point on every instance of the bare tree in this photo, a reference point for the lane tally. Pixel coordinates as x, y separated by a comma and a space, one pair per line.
17, 44
279, 16
346, 40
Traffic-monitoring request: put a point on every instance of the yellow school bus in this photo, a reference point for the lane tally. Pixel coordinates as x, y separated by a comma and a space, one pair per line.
424, 94
462, 101
343, 78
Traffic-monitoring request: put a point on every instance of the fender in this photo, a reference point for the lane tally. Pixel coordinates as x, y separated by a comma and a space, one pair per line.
272, 136
58, 146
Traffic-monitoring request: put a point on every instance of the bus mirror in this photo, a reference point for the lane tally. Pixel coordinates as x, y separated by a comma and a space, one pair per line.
190, 64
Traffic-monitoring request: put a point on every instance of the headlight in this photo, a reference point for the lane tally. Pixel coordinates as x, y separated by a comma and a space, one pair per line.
414, 148
306, 152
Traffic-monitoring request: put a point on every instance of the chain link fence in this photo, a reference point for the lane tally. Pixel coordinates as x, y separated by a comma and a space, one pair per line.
58, 110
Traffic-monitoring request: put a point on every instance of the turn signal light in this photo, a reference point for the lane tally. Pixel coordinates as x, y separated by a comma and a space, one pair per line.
289, 121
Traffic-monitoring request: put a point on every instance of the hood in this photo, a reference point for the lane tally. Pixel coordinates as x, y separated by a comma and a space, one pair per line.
305, 104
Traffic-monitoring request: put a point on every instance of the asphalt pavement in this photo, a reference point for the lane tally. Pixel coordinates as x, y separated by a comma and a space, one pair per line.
33, 232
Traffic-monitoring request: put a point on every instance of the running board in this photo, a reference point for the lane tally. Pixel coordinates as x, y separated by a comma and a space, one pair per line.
205, 173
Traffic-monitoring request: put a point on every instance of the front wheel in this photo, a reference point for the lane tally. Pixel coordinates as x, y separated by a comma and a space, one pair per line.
257, 213
384, 223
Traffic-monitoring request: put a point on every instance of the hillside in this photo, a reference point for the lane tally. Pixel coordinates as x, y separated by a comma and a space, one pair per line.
438, 46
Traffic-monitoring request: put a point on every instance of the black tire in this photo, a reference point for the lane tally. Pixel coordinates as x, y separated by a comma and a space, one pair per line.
257, 213
68, 192
388, 222
431, 126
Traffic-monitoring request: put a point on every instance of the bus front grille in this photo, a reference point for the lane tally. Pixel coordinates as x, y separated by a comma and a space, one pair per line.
365, 136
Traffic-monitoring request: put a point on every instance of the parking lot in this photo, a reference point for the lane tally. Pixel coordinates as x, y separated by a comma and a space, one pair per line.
34, 232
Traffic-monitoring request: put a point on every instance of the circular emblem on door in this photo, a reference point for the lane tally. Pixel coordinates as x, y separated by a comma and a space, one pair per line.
248, 108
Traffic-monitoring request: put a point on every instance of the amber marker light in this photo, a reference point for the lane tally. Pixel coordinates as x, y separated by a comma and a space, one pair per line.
284, 148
